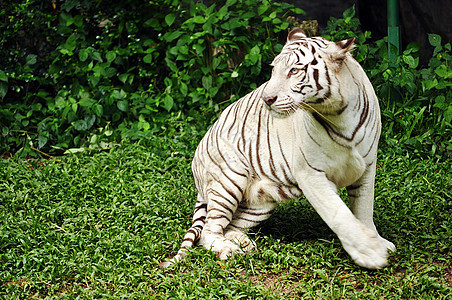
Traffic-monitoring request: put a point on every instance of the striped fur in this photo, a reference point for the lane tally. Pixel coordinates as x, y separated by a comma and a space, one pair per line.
311, 129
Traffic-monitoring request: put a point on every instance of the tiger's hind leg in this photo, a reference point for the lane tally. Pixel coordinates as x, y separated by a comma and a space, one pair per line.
221, 206
246, 217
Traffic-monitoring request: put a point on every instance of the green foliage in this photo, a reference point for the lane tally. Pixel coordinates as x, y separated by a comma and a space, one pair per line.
215, 52
416, 101
96, 225
95, 72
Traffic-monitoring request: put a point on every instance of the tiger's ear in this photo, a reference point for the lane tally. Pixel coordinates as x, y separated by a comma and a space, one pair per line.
295, 34
339, 54
346, 45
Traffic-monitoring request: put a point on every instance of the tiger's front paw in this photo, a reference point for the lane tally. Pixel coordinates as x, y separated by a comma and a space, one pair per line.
228, 249
369, 249
217, 243
241, 239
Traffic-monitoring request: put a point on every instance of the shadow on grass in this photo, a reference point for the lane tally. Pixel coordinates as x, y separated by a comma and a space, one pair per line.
295, 221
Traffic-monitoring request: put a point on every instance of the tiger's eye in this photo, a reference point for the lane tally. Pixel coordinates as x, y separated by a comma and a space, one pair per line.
294, 71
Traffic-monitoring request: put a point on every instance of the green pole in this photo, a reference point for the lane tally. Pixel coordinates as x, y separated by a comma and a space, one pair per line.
393, 29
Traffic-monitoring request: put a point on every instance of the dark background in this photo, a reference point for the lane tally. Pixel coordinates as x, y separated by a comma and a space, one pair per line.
417, 18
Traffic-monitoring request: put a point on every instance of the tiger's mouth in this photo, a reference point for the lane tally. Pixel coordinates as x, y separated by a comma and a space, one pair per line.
280, 112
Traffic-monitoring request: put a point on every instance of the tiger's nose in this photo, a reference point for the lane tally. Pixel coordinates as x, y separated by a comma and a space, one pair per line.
269, 99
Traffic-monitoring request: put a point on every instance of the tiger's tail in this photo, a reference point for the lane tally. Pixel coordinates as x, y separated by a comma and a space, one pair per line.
193, 234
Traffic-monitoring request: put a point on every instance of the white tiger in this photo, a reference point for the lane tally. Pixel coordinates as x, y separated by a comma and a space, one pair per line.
311, 129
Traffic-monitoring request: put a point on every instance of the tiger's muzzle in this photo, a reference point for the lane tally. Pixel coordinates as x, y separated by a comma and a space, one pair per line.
269, 99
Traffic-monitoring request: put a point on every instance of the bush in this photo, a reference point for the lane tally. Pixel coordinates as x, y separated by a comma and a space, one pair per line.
84, 73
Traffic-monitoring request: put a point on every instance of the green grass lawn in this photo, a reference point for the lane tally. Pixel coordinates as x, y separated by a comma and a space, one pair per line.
96, 225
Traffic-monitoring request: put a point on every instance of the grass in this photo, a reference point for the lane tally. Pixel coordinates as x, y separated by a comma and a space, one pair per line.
96, 225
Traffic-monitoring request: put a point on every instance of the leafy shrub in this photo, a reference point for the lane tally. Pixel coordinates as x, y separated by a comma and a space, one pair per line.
421, 110
86, 73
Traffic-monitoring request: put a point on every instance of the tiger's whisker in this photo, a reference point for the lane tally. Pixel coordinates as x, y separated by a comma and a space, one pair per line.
307, 105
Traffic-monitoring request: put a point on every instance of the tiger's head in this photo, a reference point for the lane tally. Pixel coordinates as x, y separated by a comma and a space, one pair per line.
305, 75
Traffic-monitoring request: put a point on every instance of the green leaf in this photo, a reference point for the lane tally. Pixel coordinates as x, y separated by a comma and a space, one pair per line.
98, 110
199, 19
171, 36
230, 2
254, 55
183, 88
80, 125
262, 9
298, 11
207, 82
64, 17
123, 106
199, 49
94, 80
111, 56
349, 13
169, 19
222, 12
448, 114
70, 43
434, 39
171, 64
284, 26
96, 55
183, 49
110, 72
429, 84
3, 76
208, 27
123, 77
173, 50
78, 20
146, 125
235, 23
42, 139
440, 102
168, 82
31, 59
413, 47
213, 91
410, 61
99, 69
117, 94
60, 102
86, 102
154, 23
148, 58
168, 102
90, 121
216, 62
3, 89
83, 54
441, 71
